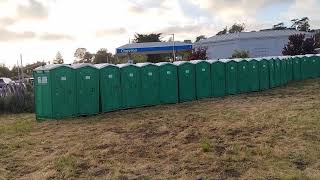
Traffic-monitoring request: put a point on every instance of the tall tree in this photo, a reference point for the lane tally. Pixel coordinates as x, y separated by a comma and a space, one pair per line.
102, 56
224, 31
141, 38
5, 72
201, 37
82, 56
235, 28
58, 59
301, 24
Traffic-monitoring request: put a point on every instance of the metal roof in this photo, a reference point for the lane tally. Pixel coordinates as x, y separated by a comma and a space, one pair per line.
153, 47
49, 67
163, 63
252, 35
197, 61
212, 61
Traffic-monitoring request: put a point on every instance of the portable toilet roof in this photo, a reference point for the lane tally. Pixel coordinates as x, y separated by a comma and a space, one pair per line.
81, 65
125, 65
103, 65
144, 64
177, 63
49, 67
162, 63
197, 61
212, 61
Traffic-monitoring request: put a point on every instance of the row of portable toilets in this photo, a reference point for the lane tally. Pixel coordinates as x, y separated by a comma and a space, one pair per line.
63, 91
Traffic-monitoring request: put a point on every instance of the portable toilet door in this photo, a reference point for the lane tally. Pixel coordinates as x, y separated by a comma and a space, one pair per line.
283, 65
243, 76
168, 83
231, 76
88, 94
264, 74
253, 67
55, 96
42, 94
149, 83
187, 81
277, 71
272, 77
110, 87
218, 78
296, 68
203, 79
130, 85
289, 69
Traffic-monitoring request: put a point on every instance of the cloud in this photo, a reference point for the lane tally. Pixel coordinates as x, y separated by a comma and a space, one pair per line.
55, 37
6, 21
6, 35
111, 32
34, 10
141, 6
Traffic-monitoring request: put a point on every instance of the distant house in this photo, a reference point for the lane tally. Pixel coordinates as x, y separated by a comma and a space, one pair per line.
259, 44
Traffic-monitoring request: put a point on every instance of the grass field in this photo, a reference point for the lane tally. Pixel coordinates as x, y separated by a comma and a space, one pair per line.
273, 134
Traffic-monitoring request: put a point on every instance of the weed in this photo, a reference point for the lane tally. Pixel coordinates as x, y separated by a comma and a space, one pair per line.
206, 146
66, 165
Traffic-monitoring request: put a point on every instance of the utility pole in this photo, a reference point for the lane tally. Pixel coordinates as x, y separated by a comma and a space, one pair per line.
22, 76
18, 69
174, 51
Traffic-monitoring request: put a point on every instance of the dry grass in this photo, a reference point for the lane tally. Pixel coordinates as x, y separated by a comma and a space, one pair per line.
268, 135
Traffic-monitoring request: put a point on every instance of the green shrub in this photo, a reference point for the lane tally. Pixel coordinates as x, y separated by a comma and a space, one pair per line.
206, 145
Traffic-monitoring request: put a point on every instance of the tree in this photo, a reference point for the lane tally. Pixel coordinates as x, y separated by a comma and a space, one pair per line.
308, 46
5, 72
240, 54
279, 26
199, 53
301, 24
82, 56
58, 59
224, 31
317, 39
28, 69
141, 38
236, 28
295, 45
102, 56
201, 37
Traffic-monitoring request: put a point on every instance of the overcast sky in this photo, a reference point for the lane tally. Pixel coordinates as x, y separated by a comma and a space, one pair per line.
40, 28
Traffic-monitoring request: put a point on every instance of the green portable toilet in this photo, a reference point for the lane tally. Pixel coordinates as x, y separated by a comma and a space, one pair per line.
168, 83
305, 67
88, 94
283, 66
149, 84
263, 73
277, 71
243, 75
110, 87
289, 68
296, 68
218, 78
187, 81
312, 63
253, 67
272, 78
130, 85
203, 79
231, 76
317, 57
55, 96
